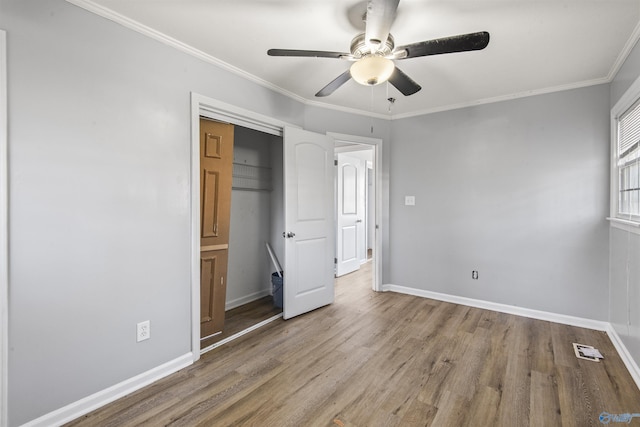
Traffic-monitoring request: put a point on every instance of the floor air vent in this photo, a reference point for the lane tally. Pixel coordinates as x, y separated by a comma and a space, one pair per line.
587, 352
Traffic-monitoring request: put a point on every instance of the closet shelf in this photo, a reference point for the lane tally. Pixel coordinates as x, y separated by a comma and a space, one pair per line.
251, 178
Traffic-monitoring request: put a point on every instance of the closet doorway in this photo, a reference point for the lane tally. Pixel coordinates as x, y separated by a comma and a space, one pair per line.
253, 203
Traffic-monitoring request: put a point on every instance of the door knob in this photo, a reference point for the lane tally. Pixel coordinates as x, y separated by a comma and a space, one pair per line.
358, 220
288, 235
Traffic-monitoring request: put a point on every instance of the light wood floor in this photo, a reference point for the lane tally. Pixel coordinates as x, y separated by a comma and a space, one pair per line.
240, 318
385, 359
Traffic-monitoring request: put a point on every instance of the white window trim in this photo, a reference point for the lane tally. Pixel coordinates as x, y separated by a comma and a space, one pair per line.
625, 102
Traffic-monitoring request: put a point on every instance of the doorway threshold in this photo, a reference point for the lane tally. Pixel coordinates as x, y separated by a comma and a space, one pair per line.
241, 333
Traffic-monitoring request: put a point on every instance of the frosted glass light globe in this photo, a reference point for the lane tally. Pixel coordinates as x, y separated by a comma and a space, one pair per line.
372, 70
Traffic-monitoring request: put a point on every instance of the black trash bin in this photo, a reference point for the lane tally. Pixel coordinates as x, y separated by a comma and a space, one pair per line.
277, 283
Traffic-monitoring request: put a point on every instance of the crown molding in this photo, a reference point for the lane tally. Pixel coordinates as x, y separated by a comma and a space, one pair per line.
183, 47
347, 110
624, 53
502, 98
111, 15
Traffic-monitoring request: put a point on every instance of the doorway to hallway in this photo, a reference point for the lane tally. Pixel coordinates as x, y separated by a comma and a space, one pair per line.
356, 184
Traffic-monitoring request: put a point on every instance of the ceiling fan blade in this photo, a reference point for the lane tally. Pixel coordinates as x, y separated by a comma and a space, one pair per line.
380, 16
335, 84
307, 53
460, 43
403, 83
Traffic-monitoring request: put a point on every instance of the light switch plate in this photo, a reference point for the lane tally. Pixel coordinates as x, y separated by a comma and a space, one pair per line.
409, 200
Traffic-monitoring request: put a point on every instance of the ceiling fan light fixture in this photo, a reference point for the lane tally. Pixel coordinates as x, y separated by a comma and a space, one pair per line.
372, 70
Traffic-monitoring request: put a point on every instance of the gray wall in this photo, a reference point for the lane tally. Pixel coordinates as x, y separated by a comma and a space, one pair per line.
277, 201
624, 294
627, 74
249, 265
99, 142
517, 190
624, 298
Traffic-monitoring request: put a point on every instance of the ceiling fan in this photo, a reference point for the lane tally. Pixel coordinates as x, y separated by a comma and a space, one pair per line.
373, 51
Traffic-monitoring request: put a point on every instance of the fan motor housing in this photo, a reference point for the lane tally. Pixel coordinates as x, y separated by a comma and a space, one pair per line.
360, 48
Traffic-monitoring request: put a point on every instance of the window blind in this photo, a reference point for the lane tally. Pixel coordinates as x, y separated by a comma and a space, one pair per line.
629, 131
628, 162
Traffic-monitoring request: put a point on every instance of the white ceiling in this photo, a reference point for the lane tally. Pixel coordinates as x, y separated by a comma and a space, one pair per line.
536, 46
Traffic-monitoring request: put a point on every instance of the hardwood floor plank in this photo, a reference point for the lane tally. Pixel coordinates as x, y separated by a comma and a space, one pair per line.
442, 370
502, 340
466, 376
563, 354
220, 397
544, 404
353, 395
540, 346
452, 411
484, 407
134, 405
418, 414
575, 400
515, 405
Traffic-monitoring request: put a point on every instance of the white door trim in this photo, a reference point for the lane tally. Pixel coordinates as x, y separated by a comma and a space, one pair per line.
211, 108
376, 144
4, 233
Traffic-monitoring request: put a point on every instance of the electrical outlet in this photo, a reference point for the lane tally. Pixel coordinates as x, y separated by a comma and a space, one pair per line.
409, 200
143, 330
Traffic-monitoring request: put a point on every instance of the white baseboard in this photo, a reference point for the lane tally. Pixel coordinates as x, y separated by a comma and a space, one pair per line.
631, 364
597, 325
246, 299
108, 395
502, 308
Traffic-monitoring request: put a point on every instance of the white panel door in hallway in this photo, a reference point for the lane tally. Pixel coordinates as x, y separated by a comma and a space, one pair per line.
350, 213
